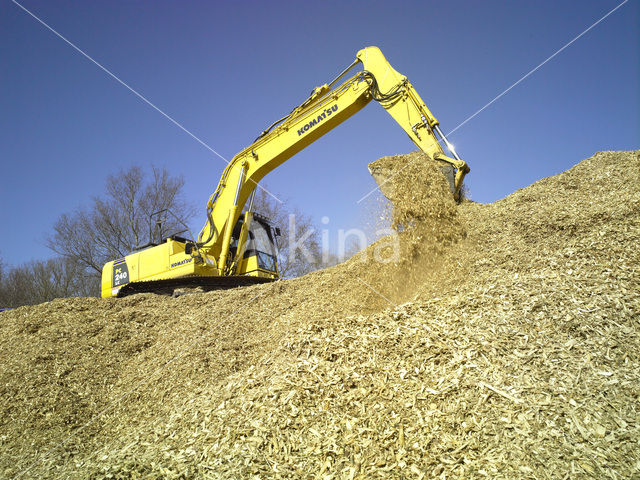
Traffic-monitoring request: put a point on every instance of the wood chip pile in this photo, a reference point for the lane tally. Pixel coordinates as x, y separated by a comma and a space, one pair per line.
503, 343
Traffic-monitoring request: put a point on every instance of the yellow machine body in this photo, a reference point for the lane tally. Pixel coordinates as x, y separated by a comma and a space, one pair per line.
214, 254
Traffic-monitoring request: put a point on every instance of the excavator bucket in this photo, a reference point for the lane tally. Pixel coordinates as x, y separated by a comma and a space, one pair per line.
382, 174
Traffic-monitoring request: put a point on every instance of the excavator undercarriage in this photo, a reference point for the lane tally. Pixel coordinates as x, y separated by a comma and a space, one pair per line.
184, 285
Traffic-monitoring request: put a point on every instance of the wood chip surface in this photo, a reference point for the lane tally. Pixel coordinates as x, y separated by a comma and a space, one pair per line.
503, 343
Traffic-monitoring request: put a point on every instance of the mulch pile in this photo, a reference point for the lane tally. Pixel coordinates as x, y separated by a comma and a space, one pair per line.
501, 342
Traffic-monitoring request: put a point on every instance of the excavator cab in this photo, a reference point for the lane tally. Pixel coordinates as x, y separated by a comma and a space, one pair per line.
261, 251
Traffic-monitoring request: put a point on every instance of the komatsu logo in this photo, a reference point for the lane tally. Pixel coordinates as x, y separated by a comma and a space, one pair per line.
183, 262
327, 112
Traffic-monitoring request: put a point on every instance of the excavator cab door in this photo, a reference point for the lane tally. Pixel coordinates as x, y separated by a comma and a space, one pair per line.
261, 245
260, 253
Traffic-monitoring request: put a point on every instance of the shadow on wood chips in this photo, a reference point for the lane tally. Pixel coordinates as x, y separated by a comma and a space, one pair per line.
501, 343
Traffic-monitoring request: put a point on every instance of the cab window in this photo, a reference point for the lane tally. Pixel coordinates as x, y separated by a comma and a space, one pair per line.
261, 245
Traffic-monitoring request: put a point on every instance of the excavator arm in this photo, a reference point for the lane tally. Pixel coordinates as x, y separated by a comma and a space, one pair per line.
325, 109
398, 97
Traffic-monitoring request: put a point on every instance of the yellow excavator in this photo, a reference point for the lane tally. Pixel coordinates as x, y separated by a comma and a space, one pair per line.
236, 248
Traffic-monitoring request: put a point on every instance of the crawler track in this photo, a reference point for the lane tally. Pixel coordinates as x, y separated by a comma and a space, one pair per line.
168, 286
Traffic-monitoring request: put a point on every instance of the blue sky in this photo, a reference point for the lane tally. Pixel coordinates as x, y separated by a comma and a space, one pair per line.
225, 70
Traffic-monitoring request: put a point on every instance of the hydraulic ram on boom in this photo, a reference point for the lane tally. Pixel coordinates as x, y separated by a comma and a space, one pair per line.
238, 248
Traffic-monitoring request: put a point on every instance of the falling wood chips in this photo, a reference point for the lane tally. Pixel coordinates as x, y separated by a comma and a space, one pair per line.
504, 344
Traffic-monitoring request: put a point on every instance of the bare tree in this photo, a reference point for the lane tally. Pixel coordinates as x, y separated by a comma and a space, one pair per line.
122, 219
41, 281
